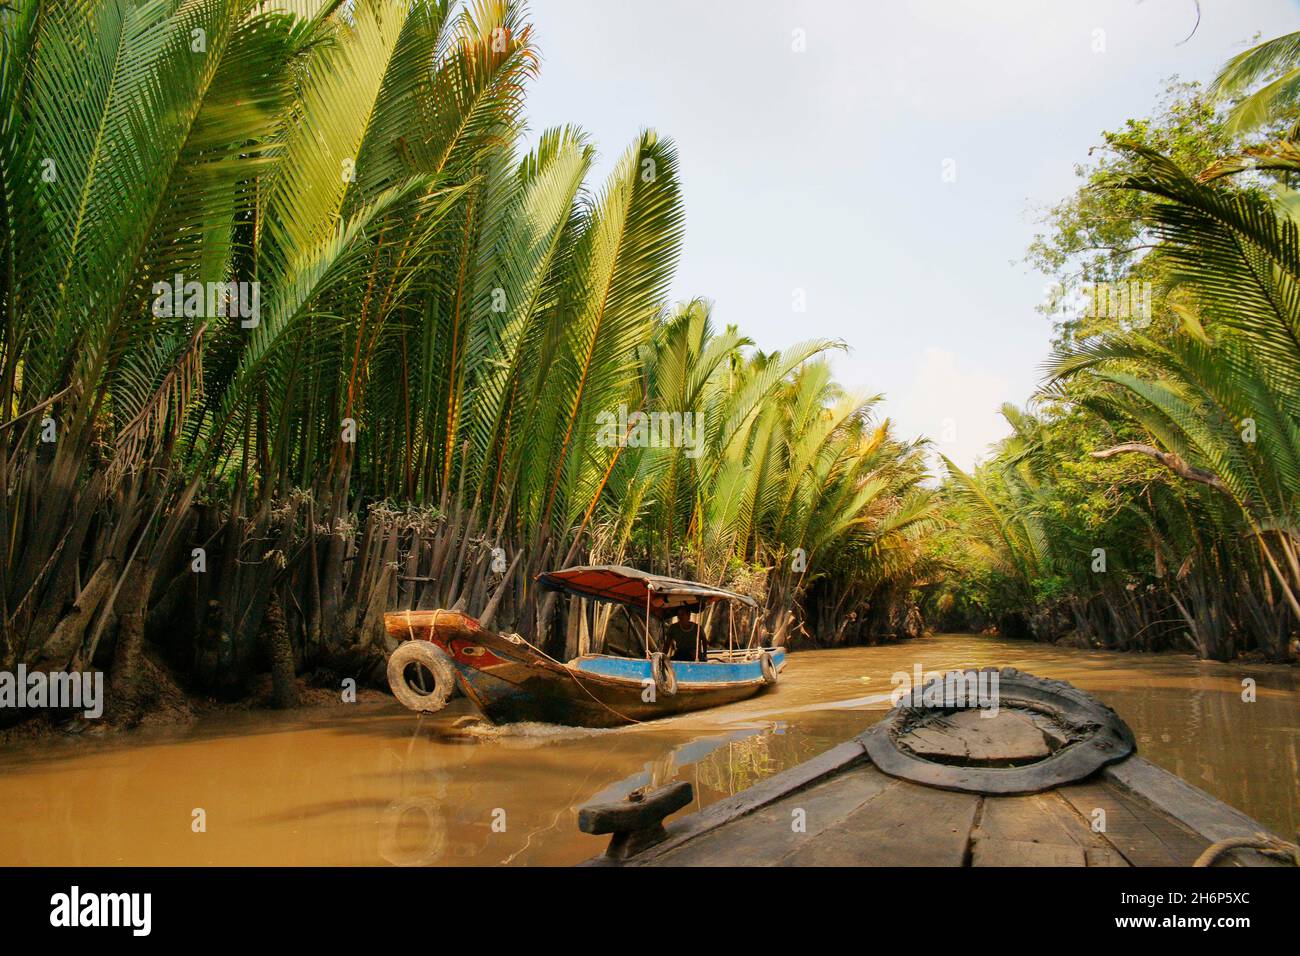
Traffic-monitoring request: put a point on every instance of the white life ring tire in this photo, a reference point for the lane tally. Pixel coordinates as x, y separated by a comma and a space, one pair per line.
767, 664
433, 659
661, 669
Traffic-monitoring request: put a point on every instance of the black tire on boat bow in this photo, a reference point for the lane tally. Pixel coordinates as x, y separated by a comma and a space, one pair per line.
1088, 735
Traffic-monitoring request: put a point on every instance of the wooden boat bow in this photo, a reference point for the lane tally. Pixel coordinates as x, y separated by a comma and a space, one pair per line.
955, 793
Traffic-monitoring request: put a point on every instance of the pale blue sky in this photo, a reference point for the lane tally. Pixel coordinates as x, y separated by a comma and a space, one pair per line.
822, 170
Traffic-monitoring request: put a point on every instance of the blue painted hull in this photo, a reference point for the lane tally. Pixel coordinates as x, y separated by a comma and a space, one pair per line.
688, 672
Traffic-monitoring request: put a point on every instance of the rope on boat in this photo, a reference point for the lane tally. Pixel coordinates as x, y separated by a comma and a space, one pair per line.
1270, 846
585, 690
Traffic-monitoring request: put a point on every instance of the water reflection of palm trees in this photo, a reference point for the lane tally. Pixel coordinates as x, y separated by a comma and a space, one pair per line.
718, 766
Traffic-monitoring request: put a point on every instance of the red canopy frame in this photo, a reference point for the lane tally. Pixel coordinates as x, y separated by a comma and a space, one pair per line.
661, 596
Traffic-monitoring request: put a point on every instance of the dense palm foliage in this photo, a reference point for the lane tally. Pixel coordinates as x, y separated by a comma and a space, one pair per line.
1264, 80
1154, 501
410, 412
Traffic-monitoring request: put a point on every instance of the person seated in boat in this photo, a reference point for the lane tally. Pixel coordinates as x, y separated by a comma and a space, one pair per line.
684, 639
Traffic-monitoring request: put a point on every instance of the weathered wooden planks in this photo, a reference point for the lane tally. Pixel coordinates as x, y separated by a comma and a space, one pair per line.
978, 740
994, 852
1037, 830
857, 816
1024, 818
767, 836
862, 818
1144, 836
887, 831
1212, 819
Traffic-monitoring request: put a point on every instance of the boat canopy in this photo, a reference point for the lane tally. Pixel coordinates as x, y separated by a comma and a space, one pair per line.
634, 588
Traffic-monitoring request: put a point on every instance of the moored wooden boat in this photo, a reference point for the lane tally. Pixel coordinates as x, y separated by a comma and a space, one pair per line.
509, 680
1051, 780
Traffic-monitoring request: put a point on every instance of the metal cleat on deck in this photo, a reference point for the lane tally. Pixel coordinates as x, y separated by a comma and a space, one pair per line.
636, 823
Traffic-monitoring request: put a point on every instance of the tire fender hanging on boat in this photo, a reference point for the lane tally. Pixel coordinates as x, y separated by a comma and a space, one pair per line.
768, 666
665, 678
434, 660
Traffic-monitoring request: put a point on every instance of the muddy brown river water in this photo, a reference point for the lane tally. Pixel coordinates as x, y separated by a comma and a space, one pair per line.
373, 784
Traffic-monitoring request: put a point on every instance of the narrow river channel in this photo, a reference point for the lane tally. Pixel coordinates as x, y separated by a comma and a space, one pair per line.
375, 784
